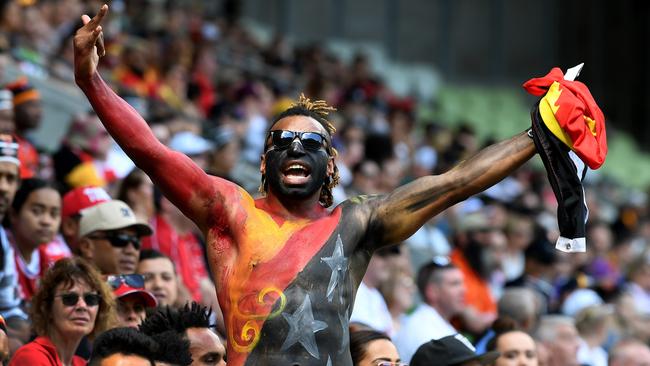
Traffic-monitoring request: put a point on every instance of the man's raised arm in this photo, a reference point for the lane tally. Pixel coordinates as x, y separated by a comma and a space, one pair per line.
184, 183
402, 212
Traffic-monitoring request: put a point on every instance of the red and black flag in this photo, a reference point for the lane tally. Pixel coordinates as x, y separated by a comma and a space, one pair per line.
569, 132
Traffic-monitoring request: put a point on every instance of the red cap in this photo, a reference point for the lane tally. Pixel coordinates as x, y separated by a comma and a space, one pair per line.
81, 198
125, 290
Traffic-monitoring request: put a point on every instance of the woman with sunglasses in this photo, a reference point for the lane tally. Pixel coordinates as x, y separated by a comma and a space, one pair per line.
372, 348
72, 302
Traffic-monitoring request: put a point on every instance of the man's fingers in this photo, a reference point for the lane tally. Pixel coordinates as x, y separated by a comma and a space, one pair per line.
97, 19
101, 51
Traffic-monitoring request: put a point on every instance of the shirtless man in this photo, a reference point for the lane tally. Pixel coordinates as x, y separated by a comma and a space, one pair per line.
286, 268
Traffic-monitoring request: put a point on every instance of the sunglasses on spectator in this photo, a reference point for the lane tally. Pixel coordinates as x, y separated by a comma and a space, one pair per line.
441, 260
389, 363
131, 280
282, 139
72, 298
119, 240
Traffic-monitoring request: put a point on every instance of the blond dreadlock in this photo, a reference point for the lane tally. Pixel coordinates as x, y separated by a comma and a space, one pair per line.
319, 110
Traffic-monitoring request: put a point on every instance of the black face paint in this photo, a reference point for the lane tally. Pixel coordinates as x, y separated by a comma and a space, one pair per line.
277, 160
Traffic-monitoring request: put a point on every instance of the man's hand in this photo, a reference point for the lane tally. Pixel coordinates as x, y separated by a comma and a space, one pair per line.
89, 45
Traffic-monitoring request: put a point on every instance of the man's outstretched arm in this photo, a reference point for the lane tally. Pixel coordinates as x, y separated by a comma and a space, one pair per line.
402, 212
184, 183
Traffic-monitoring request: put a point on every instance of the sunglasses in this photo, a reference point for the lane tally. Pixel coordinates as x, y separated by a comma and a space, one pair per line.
72, 298
388, 363
119, 240
282, 139
131, 280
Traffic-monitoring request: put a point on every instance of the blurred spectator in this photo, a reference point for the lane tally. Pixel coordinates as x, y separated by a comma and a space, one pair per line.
110, 237
72, 204
515, 347
82, 157
191, 323
123, 346
71, 303
192, 145
370, 348
137, 191
7, 124
639, 282
398, 291
225, 153
539, 271
558, 333
630, 352
520, 233
35, 218
370, 307
131, 298
176, 236
473, 242
593, 323
365, 179
160, 277
453, 350
27, 117
442, 290
9, 181
522, 306
4, 341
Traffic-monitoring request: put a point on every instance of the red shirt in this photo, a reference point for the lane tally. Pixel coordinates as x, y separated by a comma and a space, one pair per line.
41, 352
28, 156
184, 250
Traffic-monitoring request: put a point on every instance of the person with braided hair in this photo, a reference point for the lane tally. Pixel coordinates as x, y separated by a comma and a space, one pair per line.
286, 268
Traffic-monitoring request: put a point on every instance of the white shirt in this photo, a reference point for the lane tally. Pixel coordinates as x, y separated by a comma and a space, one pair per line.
9, 299
370, 309
591, 356
423, 325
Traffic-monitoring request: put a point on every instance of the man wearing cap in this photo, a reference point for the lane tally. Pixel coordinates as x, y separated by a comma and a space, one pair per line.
73, 203
9, 181
110, 237
132, 299
27, 116
453, 350
442, 290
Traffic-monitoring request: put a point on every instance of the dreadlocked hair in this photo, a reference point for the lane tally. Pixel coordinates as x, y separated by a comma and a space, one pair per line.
318, 110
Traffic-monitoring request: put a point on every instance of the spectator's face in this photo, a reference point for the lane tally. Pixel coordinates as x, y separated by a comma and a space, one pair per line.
119, 359
296, 172
112, 258
564, 348
131, 311
379, 350
450, 291
517, 349
28, 115
635, 354
38, 220
8, 185
78, 319
160, 279
7, 124
206, 348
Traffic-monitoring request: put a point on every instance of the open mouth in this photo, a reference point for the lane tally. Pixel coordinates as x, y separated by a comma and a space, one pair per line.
296, 173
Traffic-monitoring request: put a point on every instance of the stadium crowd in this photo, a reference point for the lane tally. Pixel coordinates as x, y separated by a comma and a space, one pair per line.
90, 247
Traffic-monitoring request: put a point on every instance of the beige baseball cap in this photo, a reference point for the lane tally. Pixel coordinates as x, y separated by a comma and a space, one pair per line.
110, 215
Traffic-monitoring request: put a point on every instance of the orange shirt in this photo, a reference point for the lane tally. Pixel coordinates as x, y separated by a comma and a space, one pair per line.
478, 294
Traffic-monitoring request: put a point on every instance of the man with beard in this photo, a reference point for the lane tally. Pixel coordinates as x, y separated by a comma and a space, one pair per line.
286, 268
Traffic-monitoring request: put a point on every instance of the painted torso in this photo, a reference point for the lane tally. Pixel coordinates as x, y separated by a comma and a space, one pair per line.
287, 287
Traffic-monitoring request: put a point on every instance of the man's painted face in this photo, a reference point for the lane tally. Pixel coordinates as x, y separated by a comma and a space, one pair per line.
296, 169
